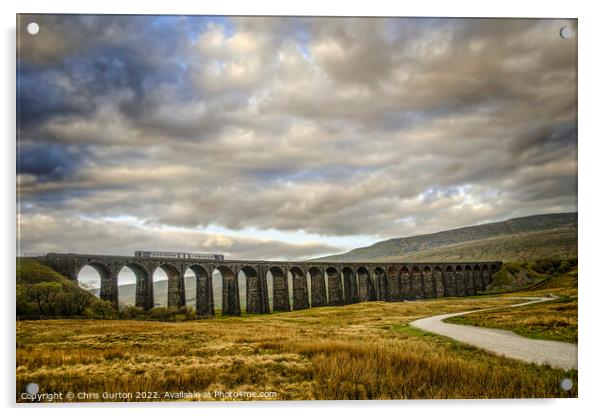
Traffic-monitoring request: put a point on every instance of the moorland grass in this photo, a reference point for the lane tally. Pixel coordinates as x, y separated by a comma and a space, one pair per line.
361, 351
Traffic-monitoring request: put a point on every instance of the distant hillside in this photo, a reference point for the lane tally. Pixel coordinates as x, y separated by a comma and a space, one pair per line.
127, 292
533, 237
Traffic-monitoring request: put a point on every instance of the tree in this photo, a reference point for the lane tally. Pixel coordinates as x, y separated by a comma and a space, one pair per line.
82, 299
45, 295
23, 301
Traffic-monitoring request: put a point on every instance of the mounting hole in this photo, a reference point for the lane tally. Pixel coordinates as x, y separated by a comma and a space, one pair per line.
33, 28
566, 384
566, 32
32, 388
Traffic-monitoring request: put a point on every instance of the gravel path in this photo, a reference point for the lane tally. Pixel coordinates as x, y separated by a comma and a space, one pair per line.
555, 353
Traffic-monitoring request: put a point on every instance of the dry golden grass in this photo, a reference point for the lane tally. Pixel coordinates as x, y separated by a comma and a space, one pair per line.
554, 320
362, 351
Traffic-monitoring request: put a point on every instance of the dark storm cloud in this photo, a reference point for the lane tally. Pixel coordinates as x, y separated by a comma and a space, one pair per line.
48, 161
334, 127
43, 94
546, 139
80, 60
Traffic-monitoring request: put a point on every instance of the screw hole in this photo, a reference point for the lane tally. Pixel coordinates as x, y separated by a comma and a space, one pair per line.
566, 384
566, 32
33, 28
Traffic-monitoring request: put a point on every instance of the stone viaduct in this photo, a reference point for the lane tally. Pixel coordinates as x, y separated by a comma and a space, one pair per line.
313, 283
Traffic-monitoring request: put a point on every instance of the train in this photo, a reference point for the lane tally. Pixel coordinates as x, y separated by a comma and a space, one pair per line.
179, 255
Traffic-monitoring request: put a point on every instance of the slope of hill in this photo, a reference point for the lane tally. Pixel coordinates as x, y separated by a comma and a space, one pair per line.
42, 291
31, 271
533, 237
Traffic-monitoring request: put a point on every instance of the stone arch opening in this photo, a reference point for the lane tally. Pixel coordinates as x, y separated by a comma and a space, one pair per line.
201, 296
393, 286
289, 281
269, 279
230, 299
470, 283
476, 275
460, 281
486, 275
318, 287
349, 285
97, 278
438, 286
427, 279
404, 283
300, 289
380, 280
308, 284
241, 281
335, 288
493, 269
280, 295
90, 279
255, 298
158, 290
167, 287
133, 274
416, 288
364, 285
449, 281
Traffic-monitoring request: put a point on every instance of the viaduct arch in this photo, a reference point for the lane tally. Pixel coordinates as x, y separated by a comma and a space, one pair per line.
314, 284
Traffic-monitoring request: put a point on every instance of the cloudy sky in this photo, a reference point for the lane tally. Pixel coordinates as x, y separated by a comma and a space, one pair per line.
287, 138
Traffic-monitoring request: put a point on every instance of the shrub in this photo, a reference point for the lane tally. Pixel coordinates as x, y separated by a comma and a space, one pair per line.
160, 313
564, 267
101, 309
131, 312
187, 311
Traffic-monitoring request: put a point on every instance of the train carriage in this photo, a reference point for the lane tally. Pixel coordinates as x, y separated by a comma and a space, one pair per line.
178, 255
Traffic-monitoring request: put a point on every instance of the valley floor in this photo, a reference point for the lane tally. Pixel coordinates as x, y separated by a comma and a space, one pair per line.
361, 351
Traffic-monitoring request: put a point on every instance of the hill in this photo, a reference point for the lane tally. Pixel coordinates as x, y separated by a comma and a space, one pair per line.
30, 271
516, 239
40, 291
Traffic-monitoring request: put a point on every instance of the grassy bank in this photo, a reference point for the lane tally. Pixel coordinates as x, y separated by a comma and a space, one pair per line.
553, 320
362, 351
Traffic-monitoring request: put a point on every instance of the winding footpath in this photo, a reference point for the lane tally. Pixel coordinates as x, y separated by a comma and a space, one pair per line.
554, 353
